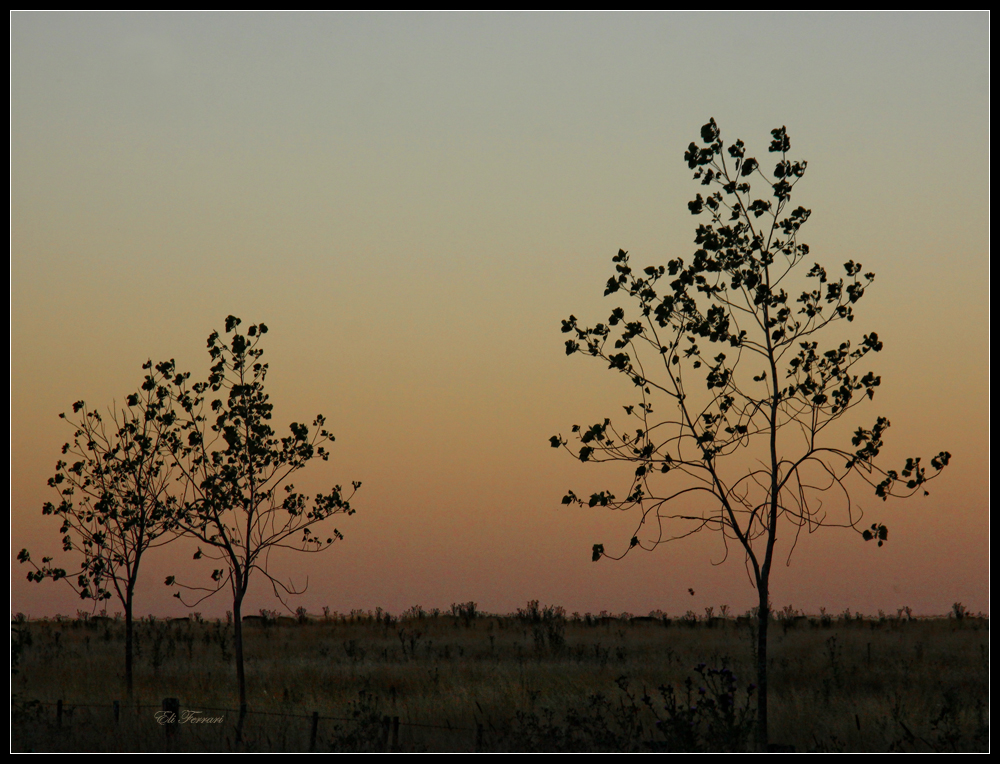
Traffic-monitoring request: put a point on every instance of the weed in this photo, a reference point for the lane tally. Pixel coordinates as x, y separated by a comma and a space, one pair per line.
711, 719
365, 731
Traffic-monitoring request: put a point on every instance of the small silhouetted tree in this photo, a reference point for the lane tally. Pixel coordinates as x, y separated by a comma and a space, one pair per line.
237, 500
752, 394
115, 501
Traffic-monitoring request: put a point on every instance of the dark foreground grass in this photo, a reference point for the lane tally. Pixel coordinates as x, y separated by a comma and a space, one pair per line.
532, 681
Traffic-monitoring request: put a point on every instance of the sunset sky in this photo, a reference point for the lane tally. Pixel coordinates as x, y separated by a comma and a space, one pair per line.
413, 202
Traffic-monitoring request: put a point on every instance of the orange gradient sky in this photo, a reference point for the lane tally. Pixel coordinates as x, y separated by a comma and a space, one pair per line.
413, 202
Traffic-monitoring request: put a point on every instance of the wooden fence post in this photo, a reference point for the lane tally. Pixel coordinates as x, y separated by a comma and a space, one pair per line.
312, 732
116, 708
171, 715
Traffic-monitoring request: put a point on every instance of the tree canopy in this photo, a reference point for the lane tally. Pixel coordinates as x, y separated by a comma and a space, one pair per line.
731, 343
116, 502
236, 498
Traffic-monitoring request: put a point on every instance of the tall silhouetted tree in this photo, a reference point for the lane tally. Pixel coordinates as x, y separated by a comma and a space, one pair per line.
236, 497
115, 500
753, 395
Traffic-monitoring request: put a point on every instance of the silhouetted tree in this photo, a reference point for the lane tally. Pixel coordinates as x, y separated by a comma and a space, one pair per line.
236, 498
739, 363
114, 484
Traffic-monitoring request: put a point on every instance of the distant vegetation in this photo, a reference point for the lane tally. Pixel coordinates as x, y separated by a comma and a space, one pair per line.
535, 680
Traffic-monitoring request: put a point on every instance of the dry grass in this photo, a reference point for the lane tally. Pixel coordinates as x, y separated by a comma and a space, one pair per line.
526, 681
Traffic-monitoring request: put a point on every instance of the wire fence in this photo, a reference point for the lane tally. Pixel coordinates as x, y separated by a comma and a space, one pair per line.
170, 725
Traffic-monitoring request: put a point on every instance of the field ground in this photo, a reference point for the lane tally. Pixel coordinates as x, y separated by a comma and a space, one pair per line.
534, 680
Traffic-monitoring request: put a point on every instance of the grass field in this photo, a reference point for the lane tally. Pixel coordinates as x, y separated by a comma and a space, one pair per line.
535, 680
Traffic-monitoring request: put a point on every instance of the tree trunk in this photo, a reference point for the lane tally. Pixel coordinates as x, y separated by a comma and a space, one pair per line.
763, 617
240, 675
128, 644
